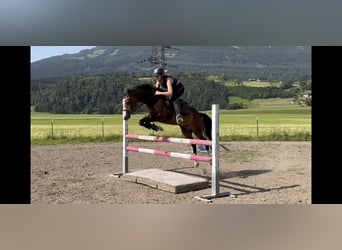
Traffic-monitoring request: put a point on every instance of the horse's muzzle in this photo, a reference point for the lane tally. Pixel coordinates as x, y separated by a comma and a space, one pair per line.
127, 115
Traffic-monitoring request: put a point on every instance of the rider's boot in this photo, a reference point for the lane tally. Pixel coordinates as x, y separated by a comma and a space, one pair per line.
179, 118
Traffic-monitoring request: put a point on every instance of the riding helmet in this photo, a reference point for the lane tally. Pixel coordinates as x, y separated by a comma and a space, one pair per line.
159, 71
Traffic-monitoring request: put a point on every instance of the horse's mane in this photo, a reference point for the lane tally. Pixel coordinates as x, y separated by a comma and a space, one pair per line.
144, 87
146, 91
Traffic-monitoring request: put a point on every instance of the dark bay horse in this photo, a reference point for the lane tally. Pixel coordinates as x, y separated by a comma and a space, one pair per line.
160, 110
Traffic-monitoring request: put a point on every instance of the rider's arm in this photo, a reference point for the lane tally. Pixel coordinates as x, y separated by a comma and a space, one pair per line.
169, 91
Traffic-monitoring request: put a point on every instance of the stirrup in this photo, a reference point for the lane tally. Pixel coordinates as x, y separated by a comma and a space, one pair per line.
179, 119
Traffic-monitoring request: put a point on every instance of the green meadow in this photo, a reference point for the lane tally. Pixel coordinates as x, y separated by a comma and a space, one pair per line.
261, 120
244, 83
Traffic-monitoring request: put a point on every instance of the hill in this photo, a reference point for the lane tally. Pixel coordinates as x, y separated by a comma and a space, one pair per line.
259, 62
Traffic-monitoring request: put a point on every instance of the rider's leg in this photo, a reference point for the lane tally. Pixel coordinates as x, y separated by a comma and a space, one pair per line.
179, 118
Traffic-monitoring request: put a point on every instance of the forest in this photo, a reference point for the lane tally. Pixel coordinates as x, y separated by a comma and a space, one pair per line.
102, 94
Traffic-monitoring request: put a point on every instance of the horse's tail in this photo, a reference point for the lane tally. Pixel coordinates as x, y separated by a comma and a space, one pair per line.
207, 126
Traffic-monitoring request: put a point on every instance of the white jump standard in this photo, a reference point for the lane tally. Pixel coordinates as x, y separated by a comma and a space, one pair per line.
214, 159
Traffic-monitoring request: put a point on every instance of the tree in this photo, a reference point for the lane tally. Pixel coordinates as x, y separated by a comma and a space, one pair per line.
238, 82
287, 84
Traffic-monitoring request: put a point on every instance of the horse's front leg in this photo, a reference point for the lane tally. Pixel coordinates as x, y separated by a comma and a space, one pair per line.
146, 122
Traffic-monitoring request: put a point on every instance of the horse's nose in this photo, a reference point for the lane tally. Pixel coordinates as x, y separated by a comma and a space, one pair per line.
127, 116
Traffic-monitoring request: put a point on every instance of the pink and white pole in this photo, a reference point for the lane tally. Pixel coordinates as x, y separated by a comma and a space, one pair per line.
169, 154
215, 185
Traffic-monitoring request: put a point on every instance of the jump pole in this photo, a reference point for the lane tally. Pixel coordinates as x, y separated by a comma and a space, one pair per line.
124, 140
124, 143
215, 175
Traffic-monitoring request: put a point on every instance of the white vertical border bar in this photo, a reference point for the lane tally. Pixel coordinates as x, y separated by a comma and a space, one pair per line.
215, 181
124, 140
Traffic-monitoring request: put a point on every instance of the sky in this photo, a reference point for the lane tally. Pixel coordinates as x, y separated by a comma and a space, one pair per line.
41, 52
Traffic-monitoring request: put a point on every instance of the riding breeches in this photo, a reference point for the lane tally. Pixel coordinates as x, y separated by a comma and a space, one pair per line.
178, 90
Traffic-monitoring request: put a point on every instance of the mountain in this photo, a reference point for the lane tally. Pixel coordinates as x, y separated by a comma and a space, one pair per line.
262, 62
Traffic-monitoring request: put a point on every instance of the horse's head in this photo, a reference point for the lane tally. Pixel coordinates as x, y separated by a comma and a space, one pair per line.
129, 105
142, 93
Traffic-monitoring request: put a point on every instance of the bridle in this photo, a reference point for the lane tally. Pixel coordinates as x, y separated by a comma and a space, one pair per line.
132, 105
128, 104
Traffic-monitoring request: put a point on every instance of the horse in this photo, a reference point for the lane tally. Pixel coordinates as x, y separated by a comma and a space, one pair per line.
159, 109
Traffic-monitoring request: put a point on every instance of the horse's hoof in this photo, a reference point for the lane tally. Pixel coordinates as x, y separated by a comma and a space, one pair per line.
156, 128
159, 128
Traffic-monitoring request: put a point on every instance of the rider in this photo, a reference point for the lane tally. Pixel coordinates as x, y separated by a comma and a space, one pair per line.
174, 88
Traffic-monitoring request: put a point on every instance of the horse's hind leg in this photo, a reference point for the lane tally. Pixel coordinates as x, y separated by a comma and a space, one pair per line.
187, 133
200, 132
194, 151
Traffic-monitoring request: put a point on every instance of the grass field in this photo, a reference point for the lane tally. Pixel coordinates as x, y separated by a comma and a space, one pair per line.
255, 83
271, 119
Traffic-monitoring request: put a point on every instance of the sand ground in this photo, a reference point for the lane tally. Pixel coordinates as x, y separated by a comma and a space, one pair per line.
255, 172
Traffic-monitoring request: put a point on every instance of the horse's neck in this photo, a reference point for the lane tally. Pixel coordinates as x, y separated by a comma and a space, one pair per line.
144, 97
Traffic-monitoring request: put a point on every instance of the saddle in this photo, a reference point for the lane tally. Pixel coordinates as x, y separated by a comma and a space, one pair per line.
185, 109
